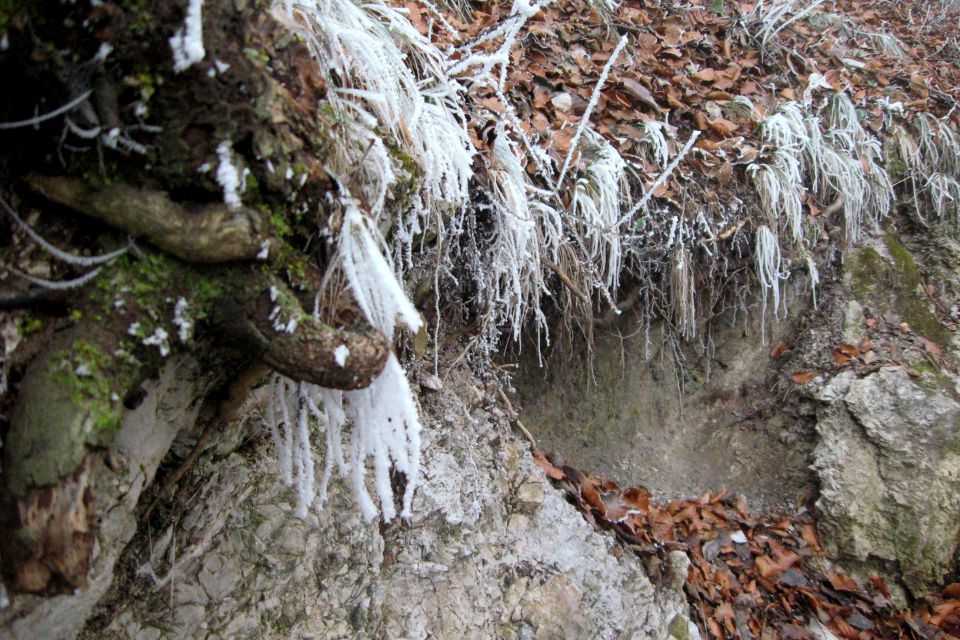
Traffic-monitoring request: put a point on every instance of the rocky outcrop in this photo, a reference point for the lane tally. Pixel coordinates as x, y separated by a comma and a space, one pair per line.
145, 436
888, 462
492, 551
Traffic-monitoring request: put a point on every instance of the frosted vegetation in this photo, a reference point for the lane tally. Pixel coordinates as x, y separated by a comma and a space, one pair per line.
509, 247
505, 241
578, 237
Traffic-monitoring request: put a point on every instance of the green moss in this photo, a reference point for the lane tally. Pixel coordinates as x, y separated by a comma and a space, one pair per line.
252, 188
85, 373
278, 222
866, 270
105, 174
895, 287
8, 13
94, 381
30, 325
142, 21
912, 303
253, 55
408, 181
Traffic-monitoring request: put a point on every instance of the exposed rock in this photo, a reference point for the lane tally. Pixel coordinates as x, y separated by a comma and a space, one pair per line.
144, 438
492, 551
889, 468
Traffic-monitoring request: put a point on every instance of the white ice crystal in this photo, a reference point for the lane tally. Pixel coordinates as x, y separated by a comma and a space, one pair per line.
227, 175
340, 355
187, 42
160, 339
182, 320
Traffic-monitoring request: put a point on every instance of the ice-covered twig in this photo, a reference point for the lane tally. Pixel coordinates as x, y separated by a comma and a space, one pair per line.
57, 285
49, 115
60, 254
594, 99
659, 181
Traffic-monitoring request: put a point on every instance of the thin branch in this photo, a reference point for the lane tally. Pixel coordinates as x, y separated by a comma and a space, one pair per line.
47, 116
594, 99
516, 420
564, 278
69, 258
659, 181
55, 285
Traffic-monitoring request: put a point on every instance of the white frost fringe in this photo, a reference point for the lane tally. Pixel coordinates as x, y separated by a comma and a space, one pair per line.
386, 427
769, 271
187, 42
386, 423
514, 280
596, 202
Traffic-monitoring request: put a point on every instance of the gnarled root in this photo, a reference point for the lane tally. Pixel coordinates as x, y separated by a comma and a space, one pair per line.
70, 408
205, 234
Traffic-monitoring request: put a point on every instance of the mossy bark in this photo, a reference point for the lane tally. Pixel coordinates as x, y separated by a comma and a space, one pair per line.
216, 286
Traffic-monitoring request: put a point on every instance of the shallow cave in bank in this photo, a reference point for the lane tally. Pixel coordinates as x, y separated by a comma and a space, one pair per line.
681, 419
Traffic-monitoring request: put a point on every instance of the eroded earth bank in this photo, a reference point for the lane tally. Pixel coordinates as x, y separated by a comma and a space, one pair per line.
332, 319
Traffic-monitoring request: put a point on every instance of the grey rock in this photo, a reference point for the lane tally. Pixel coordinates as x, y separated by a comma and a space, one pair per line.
492, 551
889, 467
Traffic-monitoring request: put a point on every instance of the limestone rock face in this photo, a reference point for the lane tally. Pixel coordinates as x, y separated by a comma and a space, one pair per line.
144, 437
493, 551
888, 461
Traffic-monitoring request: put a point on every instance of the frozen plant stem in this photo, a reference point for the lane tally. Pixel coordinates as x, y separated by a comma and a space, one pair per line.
594, 99
769, 272
659, 181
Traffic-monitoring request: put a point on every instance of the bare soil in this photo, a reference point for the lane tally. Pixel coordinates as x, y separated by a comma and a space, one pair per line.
725, 417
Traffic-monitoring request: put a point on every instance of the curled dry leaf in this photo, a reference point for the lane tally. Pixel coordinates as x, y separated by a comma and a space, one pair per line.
845, 354
591, 495
779, 349
547, 466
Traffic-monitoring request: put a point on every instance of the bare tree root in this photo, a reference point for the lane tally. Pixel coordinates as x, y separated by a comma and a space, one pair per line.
74, 396
305, 348
209, 234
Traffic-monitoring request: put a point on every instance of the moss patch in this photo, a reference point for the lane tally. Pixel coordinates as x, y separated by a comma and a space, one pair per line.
895, 287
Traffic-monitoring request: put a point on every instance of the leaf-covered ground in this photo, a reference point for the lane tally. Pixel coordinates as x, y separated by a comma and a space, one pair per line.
688, 62
753, 577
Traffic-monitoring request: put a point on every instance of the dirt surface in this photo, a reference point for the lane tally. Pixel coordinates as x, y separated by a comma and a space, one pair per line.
735, 425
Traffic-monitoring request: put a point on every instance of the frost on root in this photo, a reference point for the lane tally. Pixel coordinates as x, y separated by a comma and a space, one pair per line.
597, 198
931, 158
769, 272
362, 255
385, 430
831, 154
513, 279
388, 77
384, 416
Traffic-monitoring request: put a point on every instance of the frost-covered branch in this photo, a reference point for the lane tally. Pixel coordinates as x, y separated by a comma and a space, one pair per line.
594, 99
659, 181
